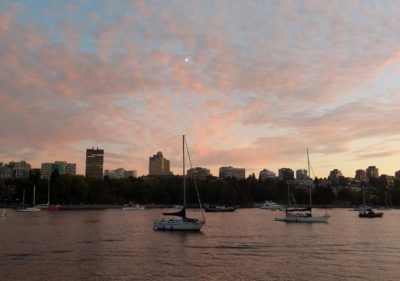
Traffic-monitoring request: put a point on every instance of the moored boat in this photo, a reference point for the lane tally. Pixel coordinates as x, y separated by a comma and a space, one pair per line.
180, 221
219, 208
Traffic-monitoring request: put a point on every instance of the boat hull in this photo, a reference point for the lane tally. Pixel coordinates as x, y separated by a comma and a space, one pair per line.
215, 210
303, 219
132, 208
375, 215
29, 210
178, 225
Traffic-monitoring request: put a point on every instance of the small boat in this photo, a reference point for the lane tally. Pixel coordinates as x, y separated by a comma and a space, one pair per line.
132, 206
4, 213
302, 214
219, 208
369, 213
271, 205
28, 209
180, 221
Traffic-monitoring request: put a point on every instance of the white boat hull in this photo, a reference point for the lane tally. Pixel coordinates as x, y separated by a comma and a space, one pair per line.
177, 224
303, 219
132, 208
29, 210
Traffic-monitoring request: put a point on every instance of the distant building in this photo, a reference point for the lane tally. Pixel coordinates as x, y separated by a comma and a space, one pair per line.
15, 170
334, 175
231, 172
388, 180
372, 172
62, 167
120, 173
360, 176
158, 165
198, 173
301, 174
397, 175
266, 174
286, 174
94, 163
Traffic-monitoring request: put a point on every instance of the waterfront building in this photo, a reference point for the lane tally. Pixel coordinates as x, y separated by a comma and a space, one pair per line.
120, 173
158, 165
286, 174
231, 172
266, 174
62, 167
334, 175
360, 175
198, 173
301, 174
388, 180
372, 172
94, 163
15, 170
397, 175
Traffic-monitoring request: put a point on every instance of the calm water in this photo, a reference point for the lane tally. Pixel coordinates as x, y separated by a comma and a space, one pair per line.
245, 245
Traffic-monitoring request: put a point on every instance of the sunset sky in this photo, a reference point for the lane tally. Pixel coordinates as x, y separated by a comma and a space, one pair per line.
252, 84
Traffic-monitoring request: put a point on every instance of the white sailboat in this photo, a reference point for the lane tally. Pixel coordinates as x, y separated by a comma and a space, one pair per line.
29, 209
303, 214
48, 206
180, 221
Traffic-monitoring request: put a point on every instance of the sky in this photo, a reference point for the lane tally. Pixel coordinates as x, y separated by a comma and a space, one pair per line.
252, 84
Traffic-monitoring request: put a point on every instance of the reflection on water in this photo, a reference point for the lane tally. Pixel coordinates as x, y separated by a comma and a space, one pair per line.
245, 245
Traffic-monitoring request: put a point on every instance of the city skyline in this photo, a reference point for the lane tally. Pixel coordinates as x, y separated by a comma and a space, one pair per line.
251, 84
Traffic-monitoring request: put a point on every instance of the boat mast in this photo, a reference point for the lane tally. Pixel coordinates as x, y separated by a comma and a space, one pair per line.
48, 192
34, 192
309, 175
183, 172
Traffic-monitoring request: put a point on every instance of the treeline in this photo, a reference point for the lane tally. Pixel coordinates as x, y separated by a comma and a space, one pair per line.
65, 189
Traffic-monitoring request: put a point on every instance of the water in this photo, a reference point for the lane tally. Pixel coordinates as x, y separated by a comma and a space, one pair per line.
245, 245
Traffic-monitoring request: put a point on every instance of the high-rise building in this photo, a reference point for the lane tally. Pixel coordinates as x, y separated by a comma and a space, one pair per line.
301, 174
334, 175
360, 175
199, 173
231, 172
372, 172
62, 167
397, 175
158, 165
94, 163
286, 174
266, 174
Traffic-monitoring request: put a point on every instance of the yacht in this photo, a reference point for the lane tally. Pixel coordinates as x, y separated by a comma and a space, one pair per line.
271, 205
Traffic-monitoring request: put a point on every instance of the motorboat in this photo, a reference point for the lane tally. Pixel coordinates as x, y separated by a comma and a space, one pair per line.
219, 208
271, 205
369, 213
131, 206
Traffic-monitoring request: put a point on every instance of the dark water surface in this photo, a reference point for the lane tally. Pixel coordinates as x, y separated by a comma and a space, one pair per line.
245, 245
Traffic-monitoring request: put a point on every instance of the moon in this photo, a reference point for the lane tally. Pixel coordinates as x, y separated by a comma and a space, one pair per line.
186, 59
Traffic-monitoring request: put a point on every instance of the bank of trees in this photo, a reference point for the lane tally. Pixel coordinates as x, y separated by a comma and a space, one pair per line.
67, 189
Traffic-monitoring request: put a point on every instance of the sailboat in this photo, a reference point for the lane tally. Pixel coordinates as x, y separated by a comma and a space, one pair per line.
303, 214
367, 212
179, 220
29, 209
48, 206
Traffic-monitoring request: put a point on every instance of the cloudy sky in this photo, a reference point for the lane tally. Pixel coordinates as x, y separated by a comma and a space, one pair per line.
252, 84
